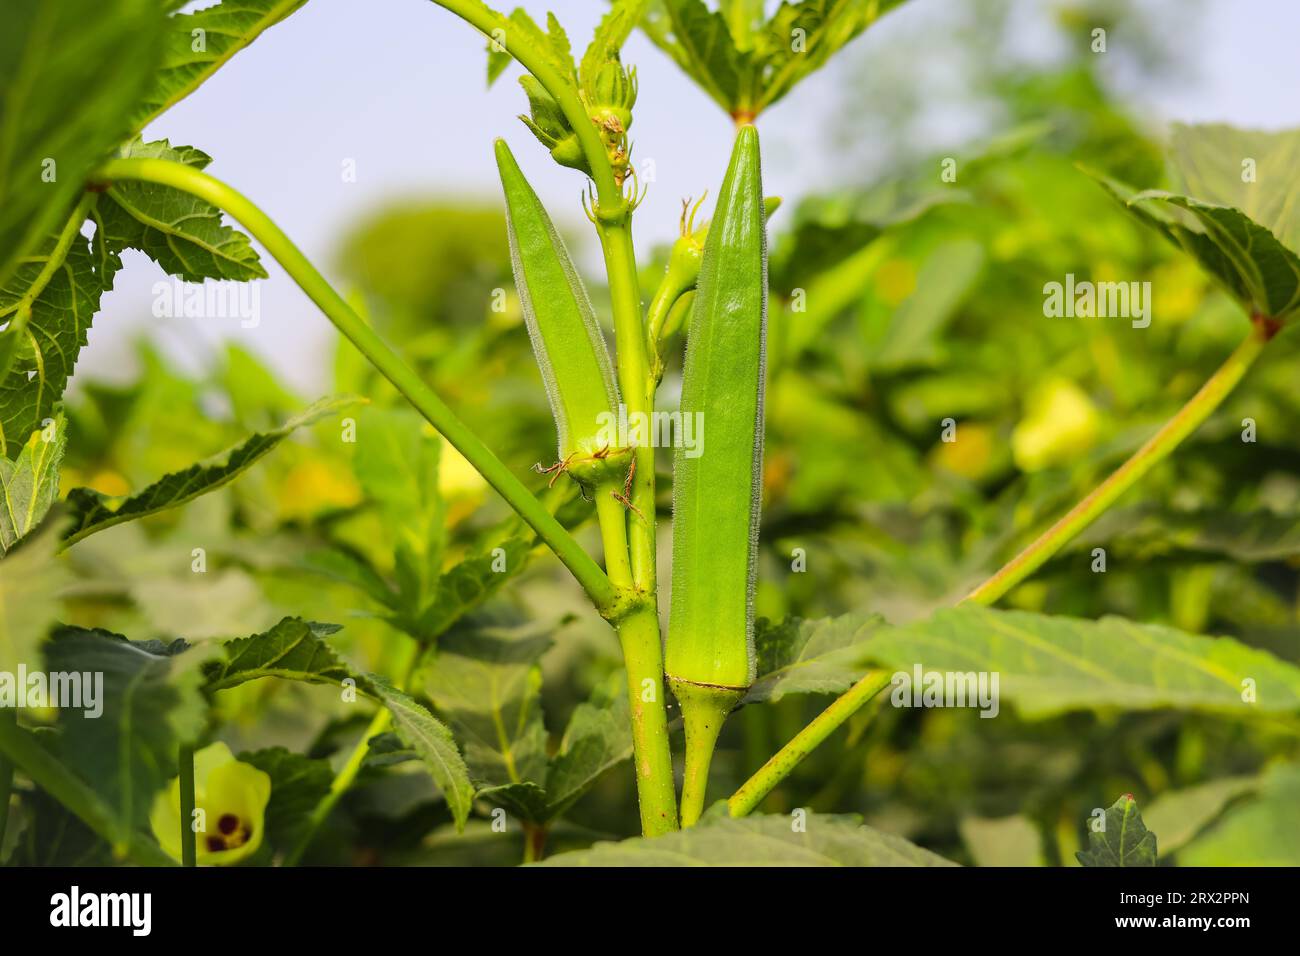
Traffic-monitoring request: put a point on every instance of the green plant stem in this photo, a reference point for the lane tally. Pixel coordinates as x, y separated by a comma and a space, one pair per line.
704, 710
342, 781
477, 14
1188, 418
612, 516
613, 219
185, 759
381, 355
638, 632
635, 385
752, 792
50, 775
534, 842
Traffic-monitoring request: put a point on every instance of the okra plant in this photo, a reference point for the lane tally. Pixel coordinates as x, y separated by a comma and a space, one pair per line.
79, 186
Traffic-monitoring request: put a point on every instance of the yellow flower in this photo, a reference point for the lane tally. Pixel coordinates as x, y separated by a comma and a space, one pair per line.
1061, 423
232, 796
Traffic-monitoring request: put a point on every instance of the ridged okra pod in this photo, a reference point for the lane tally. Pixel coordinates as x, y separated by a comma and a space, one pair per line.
566, 338
717, 487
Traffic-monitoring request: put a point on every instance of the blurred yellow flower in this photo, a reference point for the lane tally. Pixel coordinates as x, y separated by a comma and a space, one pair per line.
971, 455
233, 798
1061, 423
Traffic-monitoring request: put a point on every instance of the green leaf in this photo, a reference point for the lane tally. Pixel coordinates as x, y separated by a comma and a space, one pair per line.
913, 333
32, 581
824, 656
181, 232
1180, 815
467, 585
298, 784
226, 28
822, 28
1050, 665
553, 43
1249, 261
746, 65
30, 483
49, 302
598, 737
611, 33
1123, 841
1148, 531
93, 511
292, 650
699, 40
395, 459
1209, 162
825, 840
1257, 832
419, 730
149, 707
1004, 841
486, 681
70, 74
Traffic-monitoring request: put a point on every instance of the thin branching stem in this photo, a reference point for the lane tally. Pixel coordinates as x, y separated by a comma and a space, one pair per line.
1188, 418
382, 356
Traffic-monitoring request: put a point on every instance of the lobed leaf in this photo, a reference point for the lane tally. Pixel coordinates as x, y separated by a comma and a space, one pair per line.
181, 232
30, 483
1049, 665
825, 840
746, 65
1262, 831
293, 649
298, 784
1179, 815
70, 75
127, 753
32, 581
486, 682
823, 656
198, 44
432, 741
94, 512
1124, 840
1249, 261
49, 302
1250, 170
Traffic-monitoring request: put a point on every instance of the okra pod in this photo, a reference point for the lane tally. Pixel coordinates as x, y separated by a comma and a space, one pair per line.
716, 494
566, 338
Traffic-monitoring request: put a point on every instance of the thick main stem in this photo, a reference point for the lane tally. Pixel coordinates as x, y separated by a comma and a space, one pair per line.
635, 385
638, 632
381, 355
1188, 418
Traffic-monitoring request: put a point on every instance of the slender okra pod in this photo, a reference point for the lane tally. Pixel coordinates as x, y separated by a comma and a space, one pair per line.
717, 489
567, 341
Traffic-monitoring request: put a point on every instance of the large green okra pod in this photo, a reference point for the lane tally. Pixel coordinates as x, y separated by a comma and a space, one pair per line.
716, 493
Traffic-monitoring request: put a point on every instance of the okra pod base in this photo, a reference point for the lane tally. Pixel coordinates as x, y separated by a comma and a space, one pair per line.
704, 710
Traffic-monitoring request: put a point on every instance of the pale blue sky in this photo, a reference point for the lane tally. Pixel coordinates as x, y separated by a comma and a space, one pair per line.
398, 87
